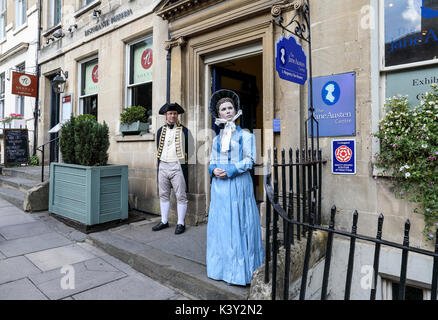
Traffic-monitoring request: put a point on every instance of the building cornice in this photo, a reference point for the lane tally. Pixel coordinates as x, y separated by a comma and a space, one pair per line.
23, 46
286, 5
175, 9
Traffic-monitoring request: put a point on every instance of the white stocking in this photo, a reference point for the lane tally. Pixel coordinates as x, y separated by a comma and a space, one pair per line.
182, 208
164, 211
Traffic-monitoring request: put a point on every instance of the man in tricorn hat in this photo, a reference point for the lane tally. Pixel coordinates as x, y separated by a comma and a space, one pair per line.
172, 153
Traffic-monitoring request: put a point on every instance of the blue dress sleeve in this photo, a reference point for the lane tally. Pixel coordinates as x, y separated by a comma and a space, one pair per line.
248, 157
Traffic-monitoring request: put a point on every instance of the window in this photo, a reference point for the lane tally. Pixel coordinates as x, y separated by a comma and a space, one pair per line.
20, 12
139, 74
89, 78
411, 31
87, 2
19, 100
2, 19
2, 95
55, 12
390, 291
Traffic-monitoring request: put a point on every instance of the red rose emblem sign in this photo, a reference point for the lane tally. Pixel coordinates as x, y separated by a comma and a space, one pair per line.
95, 74
147, 59
343, 154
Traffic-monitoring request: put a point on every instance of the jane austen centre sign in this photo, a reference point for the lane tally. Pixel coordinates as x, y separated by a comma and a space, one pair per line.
334, 100
291, 61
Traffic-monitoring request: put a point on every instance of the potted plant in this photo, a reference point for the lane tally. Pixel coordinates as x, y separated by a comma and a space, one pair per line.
135, 120
14, 120
85, 188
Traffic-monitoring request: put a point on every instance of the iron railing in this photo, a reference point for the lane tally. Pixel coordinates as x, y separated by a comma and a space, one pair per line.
300, 211
41, 149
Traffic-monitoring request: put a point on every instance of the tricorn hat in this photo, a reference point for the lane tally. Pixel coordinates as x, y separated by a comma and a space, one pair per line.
223, 93
171, 107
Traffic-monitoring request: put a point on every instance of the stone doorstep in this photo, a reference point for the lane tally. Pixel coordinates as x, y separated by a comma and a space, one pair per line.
179, 273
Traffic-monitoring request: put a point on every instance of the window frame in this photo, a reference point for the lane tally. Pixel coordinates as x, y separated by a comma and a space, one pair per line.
22, 10
52, 13
80, 101
2, 94
382, 43
3, 4
128, 86
19, 100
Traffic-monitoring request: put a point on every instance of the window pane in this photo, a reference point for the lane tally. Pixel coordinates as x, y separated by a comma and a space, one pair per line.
57, 12
142, 95
411, 293
141, 60
411, 33
90, 105
90, 77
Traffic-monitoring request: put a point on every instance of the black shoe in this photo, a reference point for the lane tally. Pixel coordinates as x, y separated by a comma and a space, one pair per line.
180, 229
160, 226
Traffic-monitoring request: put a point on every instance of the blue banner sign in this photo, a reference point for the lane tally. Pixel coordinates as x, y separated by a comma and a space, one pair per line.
344, 156
334, 100
291, 61
277, 125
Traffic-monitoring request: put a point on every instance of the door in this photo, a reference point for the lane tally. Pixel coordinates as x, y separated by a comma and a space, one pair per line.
54, 120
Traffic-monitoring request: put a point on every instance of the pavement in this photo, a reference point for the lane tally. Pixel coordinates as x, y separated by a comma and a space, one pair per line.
177, 261
43, 259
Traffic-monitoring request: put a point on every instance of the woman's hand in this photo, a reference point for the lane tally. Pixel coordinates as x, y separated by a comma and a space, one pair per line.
219, 173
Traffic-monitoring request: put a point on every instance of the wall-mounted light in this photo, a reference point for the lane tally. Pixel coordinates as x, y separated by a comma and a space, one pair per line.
97, 13
58, 34
58, 83
48, 40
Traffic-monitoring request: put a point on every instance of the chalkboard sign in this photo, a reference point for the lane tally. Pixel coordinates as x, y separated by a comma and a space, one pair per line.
16, 144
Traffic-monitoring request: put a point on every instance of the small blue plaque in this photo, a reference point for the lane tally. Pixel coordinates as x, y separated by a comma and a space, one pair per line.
344, 157
277, 125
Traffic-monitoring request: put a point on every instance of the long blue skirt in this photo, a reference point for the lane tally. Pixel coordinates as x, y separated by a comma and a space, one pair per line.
234, 239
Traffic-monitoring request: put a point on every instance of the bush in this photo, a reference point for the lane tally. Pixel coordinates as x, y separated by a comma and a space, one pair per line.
84, 141
134, 114
409, 152
34, 160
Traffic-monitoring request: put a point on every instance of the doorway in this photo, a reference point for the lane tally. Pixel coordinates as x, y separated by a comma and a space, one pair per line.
54, 120
245, 77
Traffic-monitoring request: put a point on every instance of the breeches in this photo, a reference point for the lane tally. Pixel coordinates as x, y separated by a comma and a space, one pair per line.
170, 175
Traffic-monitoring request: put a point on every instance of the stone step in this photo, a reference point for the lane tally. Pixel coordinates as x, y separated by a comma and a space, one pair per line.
30, 173
13, 196
17, 183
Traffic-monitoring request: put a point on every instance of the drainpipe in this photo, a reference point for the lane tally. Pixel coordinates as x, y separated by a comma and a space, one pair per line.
36, 112
169, 56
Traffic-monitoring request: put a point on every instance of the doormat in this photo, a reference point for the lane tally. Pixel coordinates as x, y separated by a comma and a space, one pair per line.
133, 216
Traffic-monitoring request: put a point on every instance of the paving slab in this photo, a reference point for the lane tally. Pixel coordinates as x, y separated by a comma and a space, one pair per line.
15, 219
4, 203
16, 268
24, 230
11, 210
87, 275
21, 289
58, 257
23, 246
130, 288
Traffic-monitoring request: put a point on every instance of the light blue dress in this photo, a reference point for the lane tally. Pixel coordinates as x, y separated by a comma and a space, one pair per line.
234, 239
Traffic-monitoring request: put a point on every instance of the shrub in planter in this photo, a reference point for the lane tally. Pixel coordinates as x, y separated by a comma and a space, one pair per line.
135, 120
85, 188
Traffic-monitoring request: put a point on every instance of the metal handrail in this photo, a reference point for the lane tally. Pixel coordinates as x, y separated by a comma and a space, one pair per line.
41, 149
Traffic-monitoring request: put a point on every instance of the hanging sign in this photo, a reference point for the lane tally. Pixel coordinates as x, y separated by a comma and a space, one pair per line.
344, 157
290, 60
24, 84
334, 100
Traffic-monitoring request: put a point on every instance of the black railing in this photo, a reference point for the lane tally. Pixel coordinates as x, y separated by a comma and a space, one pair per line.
41, 149
304, 216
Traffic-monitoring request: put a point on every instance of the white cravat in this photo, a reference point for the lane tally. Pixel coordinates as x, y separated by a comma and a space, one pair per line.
230, 127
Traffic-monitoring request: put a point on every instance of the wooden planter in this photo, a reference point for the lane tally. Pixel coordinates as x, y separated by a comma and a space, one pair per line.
89, 195
138, 127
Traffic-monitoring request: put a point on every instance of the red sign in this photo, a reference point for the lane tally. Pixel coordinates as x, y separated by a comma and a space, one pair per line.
24, 84
95, 74
66, 99
146, 59
343, 154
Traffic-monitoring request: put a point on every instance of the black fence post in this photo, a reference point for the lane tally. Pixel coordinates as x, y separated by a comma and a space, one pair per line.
376, 258
328, 255
351, 257
404, 264
275, 230
435, 270
307, 258
298, 194
268, 220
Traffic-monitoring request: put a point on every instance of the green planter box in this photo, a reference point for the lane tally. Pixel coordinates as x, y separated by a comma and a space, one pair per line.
138, 127
89, 195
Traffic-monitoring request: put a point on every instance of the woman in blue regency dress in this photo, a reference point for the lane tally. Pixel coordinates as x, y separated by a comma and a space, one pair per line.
234, 240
